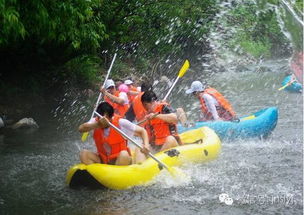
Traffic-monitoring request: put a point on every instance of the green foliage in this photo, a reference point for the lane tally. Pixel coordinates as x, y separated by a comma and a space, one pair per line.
149, 27
296, 31
82, 70
256, 49
51, 21
258, 32
299, 6
67, 37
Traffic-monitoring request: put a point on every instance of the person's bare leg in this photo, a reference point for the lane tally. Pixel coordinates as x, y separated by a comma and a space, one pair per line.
123, 158
182, 117
170, 143
139, 156
88, 157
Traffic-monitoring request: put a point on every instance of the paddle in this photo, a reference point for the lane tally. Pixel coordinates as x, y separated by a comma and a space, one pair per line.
86, 134
172, 171
286, 85
181, 73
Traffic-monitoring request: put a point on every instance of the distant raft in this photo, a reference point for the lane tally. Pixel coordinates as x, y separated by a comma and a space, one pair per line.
202, 145
294, 87
259, 124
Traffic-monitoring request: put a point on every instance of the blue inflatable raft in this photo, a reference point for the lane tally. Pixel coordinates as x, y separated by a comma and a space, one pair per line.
259, 124
295, 87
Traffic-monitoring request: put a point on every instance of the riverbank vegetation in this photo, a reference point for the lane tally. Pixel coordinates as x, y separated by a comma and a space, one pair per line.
46, 45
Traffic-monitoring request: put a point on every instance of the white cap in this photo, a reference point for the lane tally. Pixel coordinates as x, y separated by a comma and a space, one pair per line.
109, 83
128, 82
196, 86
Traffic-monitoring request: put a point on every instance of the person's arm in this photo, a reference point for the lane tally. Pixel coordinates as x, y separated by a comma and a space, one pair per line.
168, 115
133, 92
211, 105
141, 132
113, 98
92, 124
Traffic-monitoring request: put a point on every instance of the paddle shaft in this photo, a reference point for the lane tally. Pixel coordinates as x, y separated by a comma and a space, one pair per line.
144, 120
134, 142
171, 88
286, 85
107, 76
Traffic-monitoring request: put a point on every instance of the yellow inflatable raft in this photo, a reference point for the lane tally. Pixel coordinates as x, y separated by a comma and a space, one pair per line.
202, 145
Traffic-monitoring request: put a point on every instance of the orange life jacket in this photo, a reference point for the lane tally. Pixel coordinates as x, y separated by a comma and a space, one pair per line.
118, 108
158, 130
131, 96
224, 109
138, 108
110, 146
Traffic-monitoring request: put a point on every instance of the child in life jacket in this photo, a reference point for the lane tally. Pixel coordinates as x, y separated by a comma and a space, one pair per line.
111, 146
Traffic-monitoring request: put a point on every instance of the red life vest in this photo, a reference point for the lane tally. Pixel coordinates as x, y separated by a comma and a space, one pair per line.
118, 108
158, 130
131, 96
110, 146
138, 108
224, 109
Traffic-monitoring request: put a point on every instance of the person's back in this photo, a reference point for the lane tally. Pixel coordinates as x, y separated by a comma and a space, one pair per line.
214, 105
136, 110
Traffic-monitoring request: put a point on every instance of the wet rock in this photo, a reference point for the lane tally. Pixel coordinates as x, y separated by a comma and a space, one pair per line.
1, 123
25, 123
88, 93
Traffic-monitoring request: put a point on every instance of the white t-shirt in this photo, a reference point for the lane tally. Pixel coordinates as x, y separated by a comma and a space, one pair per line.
124, 96
211, 104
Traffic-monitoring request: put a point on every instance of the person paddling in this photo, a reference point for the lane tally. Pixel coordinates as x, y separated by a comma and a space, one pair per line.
161, 122
137, 112
111, 146
214, 105
118, 99
133, 90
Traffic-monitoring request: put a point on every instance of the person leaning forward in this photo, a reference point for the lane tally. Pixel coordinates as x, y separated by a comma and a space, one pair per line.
214, 105
111, 146
161, 122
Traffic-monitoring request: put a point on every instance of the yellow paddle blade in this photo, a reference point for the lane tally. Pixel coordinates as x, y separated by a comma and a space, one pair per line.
84, 136
248, 117
184, 69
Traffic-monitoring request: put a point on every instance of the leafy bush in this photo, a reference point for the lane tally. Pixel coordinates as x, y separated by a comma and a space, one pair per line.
257, 31
82, 70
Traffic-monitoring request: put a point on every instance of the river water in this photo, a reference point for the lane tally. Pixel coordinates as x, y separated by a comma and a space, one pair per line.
261, 176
